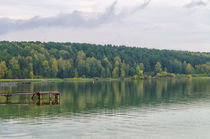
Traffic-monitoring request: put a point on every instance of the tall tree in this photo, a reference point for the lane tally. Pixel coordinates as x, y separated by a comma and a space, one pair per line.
158, 68
189, 69
116, 70
54, 68
3, 69
140, 71
15, 67
81, 63
108, 67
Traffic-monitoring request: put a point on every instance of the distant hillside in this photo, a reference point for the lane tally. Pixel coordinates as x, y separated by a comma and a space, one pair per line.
65, 60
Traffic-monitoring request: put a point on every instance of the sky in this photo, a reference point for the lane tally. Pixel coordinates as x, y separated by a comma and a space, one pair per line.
161, 24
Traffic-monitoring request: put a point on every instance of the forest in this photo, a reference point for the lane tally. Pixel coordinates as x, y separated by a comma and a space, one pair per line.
21, 60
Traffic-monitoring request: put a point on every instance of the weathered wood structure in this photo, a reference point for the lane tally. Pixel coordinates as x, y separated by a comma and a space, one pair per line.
56, 94
53, 95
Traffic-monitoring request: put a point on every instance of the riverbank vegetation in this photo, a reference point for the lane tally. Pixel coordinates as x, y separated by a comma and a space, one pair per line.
49, 80
36, 60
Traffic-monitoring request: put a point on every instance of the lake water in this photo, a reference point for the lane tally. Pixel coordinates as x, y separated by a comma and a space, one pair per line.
116, 109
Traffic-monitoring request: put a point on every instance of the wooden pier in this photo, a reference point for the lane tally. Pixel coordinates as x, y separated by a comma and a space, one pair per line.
50, 93
39, 95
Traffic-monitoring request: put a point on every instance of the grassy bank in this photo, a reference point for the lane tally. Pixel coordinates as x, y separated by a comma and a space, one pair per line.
178, 76
30, 80
49, 80
63, 80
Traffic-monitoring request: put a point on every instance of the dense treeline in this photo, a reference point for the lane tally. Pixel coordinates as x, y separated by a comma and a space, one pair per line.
66, 60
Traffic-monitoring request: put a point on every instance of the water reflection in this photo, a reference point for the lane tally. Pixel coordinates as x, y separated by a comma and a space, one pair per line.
78, 97
116, 109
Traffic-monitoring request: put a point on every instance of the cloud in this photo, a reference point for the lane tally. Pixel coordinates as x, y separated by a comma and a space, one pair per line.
171, 27
193, 4
74, 19
142, 6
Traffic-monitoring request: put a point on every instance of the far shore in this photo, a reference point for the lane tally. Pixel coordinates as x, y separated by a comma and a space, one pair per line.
87, 79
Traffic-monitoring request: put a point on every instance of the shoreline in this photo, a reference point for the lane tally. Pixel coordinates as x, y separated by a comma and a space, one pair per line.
91, 79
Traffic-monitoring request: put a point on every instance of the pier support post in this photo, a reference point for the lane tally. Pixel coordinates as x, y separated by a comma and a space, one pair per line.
7, 97
57, 97
50, 97
26, 97
40, 99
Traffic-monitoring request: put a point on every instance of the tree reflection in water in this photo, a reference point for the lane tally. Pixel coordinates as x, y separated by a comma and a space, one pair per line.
79, 97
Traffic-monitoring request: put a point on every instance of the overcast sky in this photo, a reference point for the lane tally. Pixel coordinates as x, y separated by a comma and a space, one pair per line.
162, 24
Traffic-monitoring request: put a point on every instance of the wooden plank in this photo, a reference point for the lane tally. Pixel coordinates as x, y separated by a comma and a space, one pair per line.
12, 94
5, 104
42, 93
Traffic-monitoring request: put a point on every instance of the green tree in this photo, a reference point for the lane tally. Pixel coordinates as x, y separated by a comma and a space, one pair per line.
64, 60
3, 69
116, 70
54, 68
140, 71
64, 67
189, 69
123, 70
81, 63
75, 73
184, 67
203, 68
15, 67
31, 75
158, 68
141, 65
108, 67
45, 68
176, 66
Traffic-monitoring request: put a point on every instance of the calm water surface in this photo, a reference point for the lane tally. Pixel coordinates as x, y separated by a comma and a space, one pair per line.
117, 109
